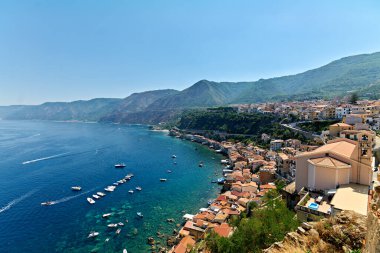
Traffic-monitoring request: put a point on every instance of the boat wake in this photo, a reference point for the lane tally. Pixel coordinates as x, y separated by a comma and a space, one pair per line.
46, 158
65, 199
15, 201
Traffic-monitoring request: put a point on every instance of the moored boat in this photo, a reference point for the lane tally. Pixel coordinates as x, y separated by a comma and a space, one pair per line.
76, 188
112, 225
118, 231
120, 224
138, 188
95, 196
163, 179
130, 191
174, 156
139, 214
106, 215
93, 234
91, 201
169, 171
120, 165
101, 194
110, 188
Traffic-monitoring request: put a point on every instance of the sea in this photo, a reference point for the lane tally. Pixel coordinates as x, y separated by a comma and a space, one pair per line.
41, 160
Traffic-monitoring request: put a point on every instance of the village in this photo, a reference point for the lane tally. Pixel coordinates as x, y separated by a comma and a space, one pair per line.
318, 180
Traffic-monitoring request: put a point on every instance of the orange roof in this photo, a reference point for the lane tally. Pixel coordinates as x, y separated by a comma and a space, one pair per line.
267, 186
344, 147
224, 230
329, 162
184, 245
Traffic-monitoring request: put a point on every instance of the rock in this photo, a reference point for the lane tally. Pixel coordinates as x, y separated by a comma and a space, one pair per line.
301, 231
170, 241
306, 226
313, 232
151, 240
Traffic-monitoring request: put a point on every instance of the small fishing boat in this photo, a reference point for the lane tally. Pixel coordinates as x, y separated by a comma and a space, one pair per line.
130, 191
120, 165
91, 201
76, 188
112, 225
120, 224
120, 181
93, 234
163, 179
107, 239
110, 188
138, 188
174, 156
118, 231
130, 175
139, 214
125, 251
169, 171
96, 196
200, 164
127, 177
47, 203
106, 215
101, 194
115, 184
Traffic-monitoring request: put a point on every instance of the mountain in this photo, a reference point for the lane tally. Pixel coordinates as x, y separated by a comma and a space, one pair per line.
202, 94
91, 110
359, 73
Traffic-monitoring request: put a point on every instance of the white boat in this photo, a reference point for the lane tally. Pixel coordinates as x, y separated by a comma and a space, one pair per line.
124, 181
47, 203
112, 225
138, 188
174, 156
120, 181
118, 231
106, 215
110, 188
127, 178
120, 224
116, 184
93, 234
76, 188
130, 175
95, 196
139, 214
91, 201
101, 194
163, 179
107, 239
125, 251
130, 191
120, 165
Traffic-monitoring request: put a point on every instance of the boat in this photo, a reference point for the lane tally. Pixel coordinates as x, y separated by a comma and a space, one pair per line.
118, 231
95, 196
138, 188
91, 201
115, 184
110, 188
107, 239
169, 171
120, 165
127, 177
125, 251
200, 164
139, 214
93, 234
76, 188
101, 194
174, 156
130, 175
163, 179
130, 191
120, 224
112, 225
120, 181
124, 181
106, 215
47, 203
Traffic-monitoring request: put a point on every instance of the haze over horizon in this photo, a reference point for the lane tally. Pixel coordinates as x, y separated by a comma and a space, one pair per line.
115, 48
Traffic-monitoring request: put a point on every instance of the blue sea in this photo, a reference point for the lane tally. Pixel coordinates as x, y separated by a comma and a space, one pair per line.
40, 161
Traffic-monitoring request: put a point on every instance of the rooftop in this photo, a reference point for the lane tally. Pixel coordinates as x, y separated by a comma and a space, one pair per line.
351, 197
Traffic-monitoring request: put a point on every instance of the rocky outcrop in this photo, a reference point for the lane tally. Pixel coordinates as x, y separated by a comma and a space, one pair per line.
343, 233
373, 224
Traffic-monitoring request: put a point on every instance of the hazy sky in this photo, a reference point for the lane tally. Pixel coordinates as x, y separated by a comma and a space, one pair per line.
70, 49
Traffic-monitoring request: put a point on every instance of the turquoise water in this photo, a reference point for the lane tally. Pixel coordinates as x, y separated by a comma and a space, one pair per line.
40, 161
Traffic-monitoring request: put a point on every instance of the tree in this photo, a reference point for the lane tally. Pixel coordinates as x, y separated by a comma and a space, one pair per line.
354, 98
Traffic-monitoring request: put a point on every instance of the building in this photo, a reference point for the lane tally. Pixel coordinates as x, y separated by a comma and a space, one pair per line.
335, 129
341, 161
276, 145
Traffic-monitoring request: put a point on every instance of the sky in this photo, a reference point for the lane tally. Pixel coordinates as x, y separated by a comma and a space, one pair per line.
75, 49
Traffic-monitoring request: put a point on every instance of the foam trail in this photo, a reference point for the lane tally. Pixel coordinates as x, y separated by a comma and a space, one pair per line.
15, 201
45, 158
69, 198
